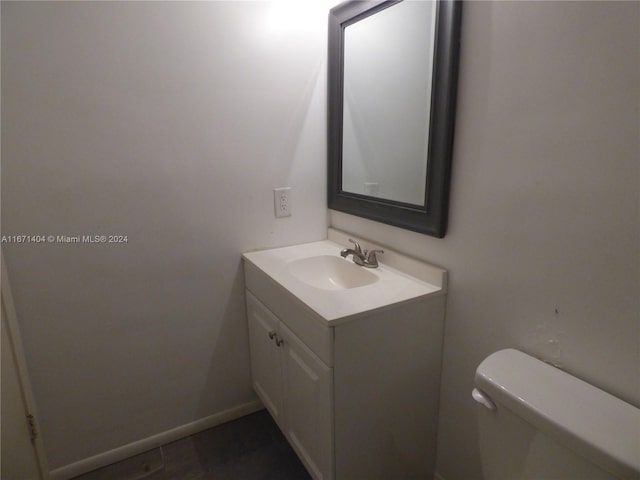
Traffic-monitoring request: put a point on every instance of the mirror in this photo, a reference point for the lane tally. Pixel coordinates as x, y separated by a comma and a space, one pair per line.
392, 89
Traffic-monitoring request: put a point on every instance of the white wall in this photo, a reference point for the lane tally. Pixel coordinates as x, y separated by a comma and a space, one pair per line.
169, 122
543, 242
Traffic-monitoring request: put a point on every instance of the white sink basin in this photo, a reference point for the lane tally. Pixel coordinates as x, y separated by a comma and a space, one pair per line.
335, 288
330, 272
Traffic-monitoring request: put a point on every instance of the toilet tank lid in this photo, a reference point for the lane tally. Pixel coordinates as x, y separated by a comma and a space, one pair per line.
587, 420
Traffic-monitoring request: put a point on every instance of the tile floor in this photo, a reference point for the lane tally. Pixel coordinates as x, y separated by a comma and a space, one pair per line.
250, 448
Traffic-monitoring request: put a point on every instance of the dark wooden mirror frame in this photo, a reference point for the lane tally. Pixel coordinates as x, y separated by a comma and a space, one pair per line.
430, 218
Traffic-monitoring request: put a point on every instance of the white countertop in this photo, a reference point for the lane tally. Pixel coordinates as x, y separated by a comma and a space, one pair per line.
335, 306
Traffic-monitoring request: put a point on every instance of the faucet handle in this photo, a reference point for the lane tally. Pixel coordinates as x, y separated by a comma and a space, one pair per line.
372, 259
357, 247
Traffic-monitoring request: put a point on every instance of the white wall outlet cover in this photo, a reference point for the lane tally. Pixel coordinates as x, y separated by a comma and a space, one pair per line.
282, 201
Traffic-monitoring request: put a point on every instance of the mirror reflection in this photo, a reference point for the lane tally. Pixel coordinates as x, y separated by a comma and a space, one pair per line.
388, 70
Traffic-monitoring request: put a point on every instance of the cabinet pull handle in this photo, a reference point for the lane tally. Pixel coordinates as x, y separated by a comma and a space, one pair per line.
274, 336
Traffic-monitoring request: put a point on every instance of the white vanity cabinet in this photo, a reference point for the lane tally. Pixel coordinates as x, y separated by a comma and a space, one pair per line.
294, 385
350, 375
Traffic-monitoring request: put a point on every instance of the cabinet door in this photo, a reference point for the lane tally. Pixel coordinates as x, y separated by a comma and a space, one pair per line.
308, 405
266, 365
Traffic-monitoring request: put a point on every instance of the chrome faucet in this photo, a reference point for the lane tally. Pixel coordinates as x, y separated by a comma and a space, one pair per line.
358, 254
363, 258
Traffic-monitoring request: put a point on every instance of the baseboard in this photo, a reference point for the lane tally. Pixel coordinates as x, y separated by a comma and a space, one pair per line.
154, 441
437, 476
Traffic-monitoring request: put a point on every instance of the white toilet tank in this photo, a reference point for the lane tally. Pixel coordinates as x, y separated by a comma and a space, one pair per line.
538, 422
